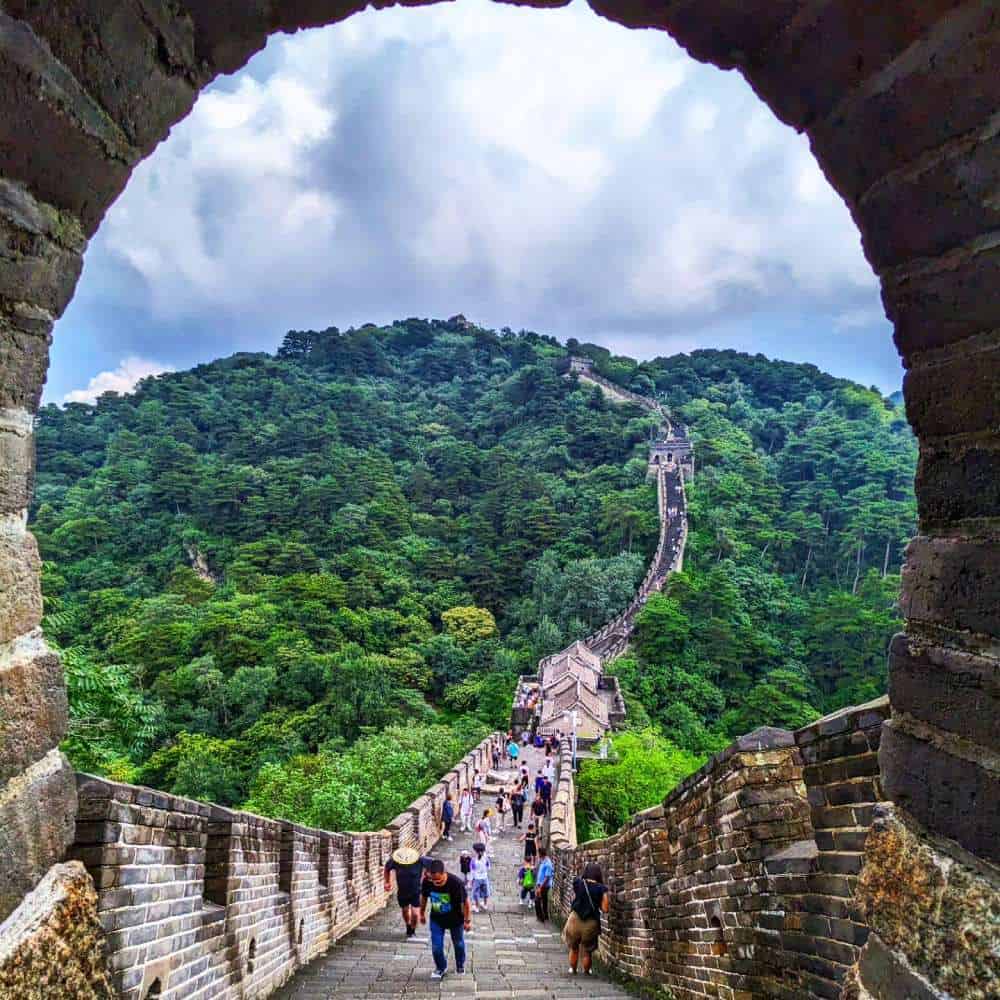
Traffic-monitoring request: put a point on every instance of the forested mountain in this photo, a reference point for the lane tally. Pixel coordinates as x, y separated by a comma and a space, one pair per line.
307, 581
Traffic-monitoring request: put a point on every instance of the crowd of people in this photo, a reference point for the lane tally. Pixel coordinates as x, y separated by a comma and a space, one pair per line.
425, 886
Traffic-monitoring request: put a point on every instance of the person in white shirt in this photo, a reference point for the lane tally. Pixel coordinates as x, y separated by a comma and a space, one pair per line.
480, 876
465, 810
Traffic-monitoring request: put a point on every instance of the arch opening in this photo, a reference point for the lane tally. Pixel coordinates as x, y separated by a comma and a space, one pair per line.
899, 106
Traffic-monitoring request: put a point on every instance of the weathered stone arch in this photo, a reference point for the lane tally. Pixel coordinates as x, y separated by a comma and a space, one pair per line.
900, 101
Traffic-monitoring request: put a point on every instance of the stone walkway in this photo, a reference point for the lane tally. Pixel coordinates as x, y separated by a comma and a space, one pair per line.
510, 954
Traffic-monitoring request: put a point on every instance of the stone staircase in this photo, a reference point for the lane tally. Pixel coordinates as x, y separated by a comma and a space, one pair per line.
510, 954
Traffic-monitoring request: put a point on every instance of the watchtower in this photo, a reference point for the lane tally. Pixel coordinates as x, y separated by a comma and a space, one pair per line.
673, 450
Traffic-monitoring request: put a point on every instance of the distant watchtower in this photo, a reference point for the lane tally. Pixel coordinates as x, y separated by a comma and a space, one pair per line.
673, 450
580, 366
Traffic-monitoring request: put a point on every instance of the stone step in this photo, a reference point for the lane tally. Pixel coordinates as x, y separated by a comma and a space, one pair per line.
509, 953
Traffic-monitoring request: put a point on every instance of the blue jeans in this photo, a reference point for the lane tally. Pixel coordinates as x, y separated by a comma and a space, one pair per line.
437, 945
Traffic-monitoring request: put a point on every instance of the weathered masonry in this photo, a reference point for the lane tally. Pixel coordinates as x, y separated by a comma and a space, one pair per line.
900, 101
197, 902
779, 870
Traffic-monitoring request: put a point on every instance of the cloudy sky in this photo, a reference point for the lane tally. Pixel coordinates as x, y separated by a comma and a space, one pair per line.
546, 170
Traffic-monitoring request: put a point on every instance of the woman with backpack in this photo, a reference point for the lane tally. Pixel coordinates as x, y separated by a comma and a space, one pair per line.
583, 927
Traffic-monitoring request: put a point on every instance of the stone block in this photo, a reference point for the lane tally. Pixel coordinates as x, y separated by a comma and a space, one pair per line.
886, 975
957, 395
941, 88
957, 480
78, 159
25, 336
36, 264
37, 811
944, 301
135, 58
17, 460
948, 688
53, 946
33, 709
20, 589
929, 913
226, 35
829, 49
927, 212
952, 582
949, 794
735, 34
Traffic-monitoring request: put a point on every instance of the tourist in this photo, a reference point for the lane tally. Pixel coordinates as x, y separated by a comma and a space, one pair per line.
547, 795
538, 809
550, 770
517, 801
530, 839
496, 758
512, 751
465, 810
409, 867
484, 830
501, 810
480, 875
526, 880
465, 867
543, 882
447, 816
477, 786
539, 781
525, 738
450, 912
583, 927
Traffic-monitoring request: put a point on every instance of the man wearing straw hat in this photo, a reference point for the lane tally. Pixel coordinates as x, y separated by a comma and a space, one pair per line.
409, 865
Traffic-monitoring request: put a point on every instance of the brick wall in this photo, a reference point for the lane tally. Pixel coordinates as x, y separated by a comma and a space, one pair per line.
217, 903
741, 883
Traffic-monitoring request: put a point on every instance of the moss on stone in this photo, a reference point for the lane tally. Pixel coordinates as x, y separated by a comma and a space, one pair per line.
941, 915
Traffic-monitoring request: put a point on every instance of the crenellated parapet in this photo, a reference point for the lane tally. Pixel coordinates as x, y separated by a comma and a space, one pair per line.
198, 901
747, 875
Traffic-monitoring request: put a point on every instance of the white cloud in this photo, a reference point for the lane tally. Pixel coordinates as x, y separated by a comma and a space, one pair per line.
539, 168
122, 380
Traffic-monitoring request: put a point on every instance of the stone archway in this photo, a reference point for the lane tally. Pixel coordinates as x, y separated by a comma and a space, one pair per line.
900, 101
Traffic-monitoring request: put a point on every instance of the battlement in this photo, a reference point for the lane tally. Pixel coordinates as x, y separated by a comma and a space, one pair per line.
745, 876
215, 903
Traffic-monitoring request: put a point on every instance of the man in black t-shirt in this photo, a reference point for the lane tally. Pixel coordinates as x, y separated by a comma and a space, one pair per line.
450, 911
409, 868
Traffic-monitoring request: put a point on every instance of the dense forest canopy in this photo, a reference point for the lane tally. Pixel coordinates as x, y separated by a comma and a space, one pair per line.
307, 582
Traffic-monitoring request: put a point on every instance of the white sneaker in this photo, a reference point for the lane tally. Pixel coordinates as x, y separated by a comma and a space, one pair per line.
437, 975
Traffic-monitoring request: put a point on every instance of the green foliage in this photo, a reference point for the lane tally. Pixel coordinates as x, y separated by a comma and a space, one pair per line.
266, 556
261, 568
469, 626
366, 786
643, 769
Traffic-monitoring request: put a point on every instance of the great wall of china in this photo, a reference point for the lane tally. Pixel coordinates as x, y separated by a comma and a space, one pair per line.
898, 101
748, 881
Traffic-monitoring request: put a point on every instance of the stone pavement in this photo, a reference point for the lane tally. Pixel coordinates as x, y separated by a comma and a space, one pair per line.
510, 954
